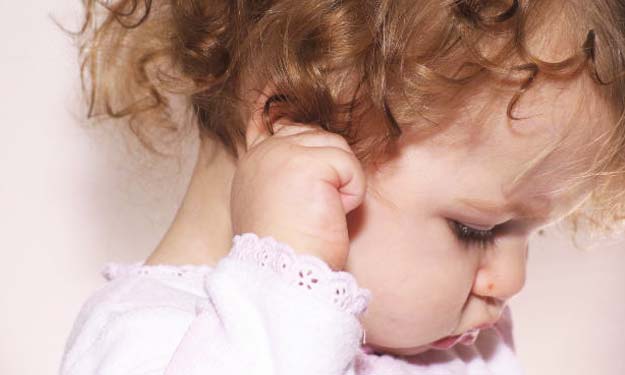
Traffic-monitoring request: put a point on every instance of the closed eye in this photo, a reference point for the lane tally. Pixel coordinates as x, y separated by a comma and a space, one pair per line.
471, 236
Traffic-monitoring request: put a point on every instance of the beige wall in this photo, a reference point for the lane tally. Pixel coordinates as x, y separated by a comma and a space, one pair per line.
570, 317
70, 202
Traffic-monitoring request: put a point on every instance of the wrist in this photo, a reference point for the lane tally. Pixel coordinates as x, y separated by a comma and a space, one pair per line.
308, 273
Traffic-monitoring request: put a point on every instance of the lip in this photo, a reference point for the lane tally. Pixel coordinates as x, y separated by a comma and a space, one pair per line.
467, 338
485, 325
446, 342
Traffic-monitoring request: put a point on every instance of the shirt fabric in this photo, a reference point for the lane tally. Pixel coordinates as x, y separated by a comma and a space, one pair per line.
262, 309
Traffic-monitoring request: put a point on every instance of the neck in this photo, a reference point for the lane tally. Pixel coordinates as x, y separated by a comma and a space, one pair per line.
201, 231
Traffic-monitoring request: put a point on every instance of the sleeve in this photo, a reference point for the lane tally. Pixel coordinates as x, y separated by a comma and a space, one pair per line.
129, 342
271, 311
268, 311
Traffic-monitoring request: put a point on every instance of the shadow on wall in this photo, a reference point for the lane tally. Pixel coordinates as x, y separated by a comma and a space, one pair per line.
137, 192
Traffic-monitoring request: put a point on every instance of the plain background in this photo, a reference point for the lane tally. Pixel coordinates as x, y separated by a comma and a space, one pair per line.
71, 200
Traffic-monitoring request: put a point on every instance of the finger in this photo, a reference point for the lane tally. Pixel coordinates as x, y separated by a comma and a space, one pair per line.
284, 129
349, 178
321, 138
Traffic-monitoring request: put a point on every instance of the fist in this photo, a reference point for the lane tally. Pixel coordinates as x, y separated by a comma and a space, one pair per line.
297, 186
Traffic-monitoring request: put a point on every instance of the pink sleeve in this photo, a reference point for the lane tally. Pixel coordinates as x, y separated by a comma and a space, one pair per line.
271, 311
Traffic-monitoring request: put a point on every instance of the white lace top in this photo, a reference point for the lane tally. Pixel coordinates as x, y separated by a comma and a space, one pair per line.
263, 309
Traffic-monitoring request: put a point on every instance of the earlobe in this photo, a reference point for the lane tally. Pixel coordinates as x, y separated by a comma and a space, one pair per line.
255, 128
265, 116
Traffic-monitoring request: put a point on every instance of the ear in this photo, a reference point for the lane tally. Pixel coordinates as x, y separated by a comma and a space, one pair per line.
256, 131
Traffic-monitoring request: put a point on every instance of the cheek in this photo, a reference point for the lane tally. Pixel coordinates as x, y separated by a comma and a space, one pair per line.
414, 285
419, 279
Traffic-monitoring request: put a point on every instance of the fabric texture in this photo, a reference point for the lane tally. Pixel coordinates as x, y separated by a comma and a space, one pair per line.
263, 309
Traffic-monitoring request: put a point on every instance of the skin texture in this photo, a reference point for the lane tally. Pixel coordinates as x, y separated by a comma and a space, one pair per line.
426, 283
296, 186
402, 246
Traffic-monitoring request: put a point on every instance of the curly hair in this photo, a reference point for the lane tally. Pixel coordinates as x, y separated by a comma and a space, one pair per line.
331, 62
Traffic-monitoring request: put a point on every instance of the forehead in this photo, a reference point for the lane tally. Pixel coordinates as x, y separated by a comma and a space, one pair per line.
539, 158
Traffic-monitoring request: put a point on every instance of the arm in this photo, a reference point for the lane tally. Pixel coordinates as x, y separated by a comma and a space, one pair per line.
271, 311
268, 311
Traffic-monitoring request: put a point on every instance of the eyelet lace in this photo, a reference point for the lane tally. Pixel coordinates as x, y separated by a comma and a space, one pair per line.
307, 272
113, 270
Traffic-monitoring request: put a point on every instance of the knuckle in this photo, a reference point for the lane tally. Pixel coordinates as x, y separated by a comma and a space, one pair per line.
288, 128
347, 158
338, 139
295, 157
331, 139
349, 155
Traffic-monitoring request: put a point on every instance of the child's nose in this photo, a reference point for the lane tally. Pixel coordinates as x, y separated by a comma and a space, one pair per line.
502, 272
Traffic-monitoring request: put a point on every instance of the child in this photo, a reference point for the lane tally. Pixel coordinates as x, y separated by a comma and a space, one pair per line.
369, 176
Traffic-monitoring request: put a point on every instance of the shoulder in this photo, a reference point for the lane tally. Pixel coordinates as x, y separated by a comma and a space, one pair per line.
137, 317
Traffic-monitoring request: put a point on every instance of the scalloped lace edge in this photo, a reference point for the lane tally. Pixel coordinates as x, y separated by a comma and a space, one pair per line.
113, 270
307, 272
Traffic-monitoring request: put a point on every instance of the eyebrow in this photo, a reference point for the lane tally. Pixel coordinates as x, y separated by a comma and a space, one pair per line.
536, 210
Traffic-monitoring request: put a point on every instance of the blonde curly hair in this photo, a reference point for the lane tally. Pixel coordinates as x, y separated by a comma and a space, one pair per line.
330, 62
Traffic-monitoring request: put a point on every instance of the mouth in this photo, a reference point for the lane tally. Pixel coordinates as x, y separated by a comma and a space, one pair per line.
467, 338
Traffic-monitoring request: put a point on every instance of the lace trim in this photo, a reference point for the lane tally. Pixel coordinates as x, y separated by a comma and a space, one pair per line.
307, 272
113, 270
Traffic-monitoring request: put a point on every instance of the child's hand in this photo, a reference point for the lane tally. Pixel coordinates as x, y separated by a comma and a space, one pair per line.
297, 186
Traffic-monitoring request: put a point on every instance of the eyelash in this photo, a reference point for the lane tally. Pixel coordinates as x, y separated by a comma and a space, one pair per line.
473, 237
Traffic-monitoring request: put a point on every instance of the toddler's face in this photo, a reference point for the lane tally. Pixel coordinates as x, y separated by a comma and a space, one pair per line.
427, 282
